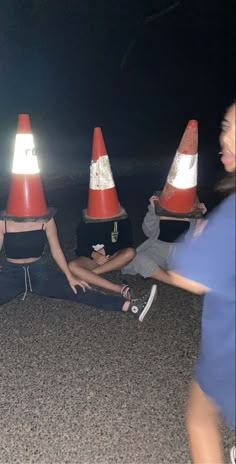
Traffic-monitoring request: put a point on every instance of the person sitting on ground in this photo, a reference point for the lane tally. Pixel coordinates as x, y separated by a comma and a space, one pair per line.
26, 269
103, 246
164, 235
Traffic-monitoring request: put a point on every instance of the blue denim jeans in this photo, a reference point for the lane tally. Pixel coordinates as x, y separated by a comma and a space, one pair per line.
40, 278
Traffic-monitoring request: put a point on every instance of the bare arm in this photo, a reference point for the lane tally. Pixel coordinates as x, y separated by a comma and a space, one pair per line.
59, 257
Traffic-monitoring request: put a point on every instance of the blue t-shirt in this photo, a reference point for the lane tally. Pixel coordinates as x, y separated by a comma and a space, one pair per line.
209, 259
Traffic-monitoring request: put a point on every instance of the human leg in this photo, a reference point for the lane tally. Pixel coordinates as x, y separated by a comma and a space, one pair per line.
161, 275
84, 262
145, 263
94, 279
52, 283
117, 261
12, 282
202, 421
151, 263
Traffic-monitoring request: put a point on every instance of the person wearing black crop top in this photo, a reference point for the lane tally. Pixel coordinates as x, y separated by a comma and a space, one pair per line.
164, 235
26, 270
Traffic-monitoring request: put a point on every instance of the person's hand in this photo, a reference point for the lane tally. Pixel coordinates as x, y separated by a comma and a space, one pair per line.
202, 207
152, 200
100, 257
73, 282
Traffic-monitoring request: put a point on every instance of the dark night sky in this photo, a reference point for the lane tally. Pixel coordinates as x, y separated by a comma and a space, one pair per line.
61, 61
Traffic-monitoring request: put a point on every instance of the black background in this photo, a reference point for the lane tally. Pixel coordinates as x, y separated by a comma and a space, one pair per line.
139, 69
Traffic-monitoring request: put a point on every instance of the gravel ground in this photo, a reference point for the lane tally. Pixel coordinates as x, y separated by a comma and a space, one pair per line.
82, 386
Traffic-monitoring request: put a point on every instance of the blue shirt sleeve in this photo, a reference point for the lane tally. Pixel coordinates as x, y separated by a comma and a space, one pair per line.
209, 259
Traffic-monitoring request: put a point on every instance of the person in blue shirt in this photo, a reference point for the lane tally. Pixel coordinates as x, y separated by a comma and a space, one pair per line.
206, 265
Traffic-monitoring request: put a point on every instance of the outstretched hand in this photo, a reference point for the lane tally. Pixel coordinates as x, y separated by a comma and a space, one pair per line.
73, 282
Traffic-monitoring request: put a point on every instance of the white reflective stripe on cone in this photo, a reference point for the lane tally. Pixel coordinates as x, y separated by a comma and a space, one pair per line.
183, 171
25, 161
100, 174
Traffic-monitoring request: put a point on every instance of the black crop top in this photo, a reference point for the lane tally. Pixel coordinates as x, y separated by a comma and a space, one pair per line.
22, 245
173, 230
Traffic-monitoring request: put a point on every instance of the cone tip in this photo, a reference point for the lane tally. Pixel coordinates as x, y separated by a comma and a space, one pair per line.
99, 148
24, 126
192, 124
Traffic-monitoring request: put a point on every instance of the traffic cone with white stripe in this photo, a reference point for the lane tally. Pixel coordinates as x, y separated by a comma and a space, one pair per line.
26, 201
103, 203
179, 195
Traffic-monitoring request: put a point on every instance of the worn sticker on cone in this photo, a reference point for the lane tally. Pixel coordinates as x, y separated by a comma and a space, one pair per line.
101, 177
183, 172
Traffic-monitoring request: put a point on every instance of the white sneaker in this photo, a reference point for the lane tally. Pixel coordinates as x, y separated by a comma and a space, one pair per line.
233, 455
139, 307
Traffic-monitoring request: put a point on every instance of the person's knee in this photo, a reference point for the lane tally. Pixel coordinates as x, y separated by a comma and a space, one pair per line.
130, 254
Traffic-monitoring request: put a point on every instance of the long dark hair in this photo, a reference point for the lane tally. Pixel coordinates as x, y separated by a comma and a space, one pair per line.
227, 184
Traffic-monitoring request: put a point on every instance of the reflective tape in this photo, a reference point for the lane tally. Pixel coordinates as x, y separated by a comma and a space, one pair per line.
25, 161
183, 171
100, 174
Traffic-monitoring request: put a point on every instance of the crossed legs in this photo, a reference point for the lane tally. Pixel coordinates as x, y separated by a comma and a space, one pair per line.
86, 269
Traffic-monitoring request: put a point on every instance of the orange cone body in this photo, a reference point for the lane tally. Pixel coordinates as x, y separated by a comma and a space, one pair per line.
26, 197
103, 201
180, 191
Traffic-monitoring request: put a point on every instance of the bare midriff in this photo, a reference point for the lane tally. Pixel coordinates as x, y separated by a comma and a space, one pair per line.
22, 261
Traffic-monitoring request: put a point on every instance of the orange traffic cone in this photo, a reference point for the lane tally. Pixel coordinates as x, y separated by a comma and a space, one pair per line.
179, 195
103, 203
26, 200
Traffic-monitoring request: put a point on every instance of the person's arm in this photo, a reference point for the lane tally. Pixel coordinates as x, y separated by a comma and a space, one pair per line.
59, 257
151, 222
205, 262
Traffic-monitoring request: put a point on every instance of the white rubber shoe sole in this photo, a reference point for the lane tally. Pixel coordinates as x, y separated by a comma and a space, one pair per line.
151, 299
233, 455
